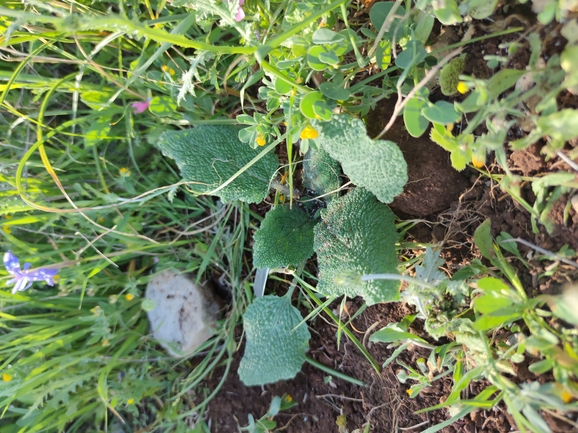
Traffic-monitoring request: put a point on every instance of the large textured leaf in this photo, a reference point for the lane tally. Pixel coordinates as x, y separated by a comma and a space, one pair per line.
320, 172
210, 155
377, 165
285, 238
357, 235
276, 342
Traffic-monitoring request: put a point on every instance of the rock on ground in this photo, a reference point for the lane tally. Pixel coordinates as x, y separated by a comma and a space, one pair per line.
184, 314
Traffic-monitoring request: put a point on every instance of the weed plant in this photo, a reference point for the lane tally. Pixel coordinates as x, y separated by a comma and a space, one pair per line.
93, 94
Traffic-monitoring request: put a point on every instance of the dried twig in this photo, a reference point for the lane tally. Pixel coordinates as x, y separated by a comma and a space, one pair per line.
401, 103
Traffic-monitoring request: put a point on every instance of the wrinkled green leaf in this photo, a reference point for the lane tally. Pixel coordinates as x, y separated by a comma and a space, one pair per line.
209, 155
321, 172
357, 235
377, 165
449, 76
276, 341
285, 238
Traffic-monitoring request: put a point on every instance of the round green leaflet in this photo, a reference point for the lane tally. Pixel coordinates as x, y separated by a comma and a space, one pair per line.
313, 59
314, 106
282, 87
162, 106
414, 121
324, 36
334, 91
441, 112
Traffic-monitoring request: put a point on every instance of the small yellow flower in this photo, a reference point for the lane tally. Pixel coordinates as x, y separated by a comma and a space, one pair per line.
261, 140
566, 396
478, 161
462, 88
288, 398
129, 297
124, 172
282, 198
172, 71
165, 68
7, 230
308, 132
130, 401
7, 377
106, 343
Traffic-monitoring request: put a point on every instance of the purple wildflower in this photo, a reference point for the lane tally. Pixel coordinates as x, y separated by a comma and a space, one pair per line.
139, 107
23, 278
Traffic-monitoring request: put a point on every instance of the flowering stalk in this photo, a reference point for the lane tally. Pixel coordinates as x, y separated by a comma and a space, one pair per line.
23, 278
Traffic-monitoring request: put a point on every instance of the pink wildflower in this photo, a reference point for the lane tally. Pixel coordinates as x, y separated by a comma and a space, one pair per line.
139, 107
240, 13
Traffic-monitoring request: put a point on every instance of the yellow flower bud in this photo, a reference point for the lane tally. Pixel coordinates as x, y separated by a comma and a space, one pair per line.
261, 140
478, 160
130, 401
308, 132
462, 88
129, 297
7, 377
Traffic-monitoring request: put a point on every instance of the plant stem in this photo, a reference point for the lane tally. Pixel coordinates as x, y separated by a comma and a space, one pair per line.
334, 372
398, 278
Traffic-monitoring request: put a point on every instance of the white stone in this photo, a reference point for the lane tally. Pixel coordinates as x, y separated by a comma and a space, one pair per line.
184, 314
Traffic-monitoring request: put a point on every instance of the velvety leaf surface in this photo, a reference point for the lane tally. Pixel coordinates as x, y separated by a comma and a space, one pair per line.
377, 165
285, 238
211, 154
276, 345
321, 172
357, 235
